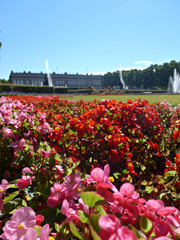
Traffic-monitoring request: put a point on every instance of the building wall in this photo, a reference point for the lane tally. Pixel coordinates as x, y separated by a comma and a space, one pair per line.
70, 80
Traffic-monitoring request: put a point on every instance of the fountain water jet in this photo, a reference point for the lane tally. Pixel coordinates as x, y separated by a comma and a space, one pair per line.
48, 75
174, 83
121, 78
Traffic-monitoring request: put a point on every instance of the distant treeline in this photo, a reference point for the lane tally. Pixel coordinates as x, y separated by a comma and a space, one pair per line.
3, 81
153, 77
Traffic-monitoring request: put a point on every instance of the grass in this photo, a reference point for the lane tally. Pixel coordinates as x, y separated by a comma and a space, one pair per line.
173, 99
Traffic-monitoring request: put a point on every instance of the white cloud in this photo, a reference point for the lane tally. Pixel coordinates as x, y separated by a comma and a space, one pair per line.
143, 62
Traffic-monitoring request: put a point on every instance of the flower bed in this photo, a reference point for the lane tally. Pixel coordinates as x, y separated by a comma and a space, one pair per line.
53, 153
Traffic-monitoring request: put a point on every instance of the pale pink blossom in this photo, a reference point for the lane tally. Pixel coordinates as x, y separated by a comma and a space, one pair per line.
70, 213
7, 132
21, 220
31, 233
72, 184
56, 196
3, 187
59, 169
44, 234
26, 170
127, 190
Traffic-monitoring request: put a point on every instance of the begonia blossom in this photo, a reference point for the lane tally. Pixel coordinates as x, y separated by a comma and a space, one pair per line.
21, 220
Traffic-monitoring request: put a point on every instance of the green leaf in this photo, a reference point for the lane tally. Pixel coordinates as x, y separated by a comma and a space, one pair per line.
38, 229
116, 175
94, 233
9, 207
57, 227
21, 202
125, 171
44, 189
83, 217
13, 183
144, 183
149, 189
100, 210
91, 198
51, 215
10, 197
143, 167
170, 174
94, 221
75, 231
146, 224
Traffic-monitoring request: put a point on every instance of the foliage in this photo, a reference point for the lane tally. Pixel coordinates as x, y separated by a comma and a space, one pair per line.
155, 76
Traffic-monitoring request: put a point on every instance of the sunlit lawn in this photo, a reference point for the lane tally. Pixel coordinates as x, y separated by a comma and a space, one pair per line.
173, 99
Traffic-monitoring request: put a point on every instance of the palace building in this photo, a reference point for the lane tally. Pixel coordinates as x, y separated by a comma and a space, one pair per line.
68, 80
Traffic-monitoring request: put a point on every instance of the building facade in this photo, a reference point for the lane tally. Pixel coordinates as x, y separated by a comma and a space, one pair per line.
68, 80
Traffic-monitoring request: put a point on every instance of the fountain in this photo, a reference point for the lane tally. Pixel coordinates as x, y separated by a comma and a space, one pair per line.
121, 79
48, 75
174, 83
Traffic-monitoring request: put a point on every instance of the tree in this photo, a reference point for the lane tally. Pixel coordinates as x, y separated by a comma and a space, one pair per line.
155, 76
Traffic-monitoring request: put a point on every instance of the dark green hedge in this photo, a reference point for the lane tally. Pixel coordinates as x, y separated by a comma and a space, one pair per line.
44, 89
82, 91
61, 90
31, 89
24, 88
5, 87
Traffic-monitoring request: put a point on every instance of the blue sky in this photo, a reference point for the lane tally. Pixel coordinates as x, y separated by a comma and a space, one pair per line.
94, 36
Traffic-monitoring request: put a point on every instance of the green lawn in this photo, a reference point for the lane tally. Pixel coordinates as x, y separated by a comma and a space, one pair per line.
173, 99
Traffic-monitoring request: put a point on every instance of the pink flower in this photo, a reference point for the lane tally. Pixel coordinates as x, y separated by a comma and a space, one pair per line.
127, 190
65, 210
39, 219
154, 205
166, 211
26, 170
45, 153
101, 178
3, 187
7, 132
85, 206
59, 169
72, 185
56, 196
111, 229
32, 235
44, 235
70, 213
126, 234
161, 228
21, 220
26, 179
1, 204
